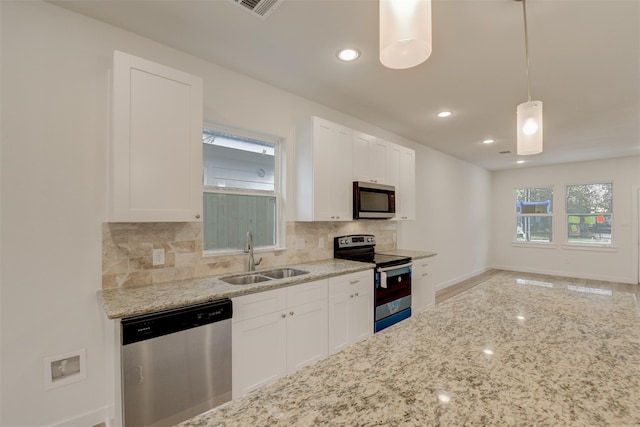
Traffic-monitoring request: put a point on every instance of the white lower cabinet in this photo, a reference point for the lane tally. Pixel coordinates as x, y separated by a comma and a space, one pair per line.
423, 294
350, 309
276, 333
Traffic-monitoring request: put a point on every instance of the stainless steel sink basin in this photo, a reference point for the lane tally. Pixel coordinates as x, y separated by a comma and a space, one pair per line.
245, 279
281, 273
263, 276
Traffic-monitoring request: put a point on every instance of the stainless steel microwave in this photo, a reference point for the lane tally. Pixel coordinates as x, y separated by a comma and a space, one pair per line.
373, 201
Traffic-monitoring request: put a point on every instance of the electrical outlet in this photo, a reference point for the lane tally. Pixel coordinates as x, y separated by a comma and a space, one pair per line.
321, 242
301, 244
158, 256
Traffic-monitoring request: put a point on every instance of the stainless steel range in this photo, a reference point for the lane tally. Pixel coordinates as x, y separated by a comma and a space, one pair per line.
392, 277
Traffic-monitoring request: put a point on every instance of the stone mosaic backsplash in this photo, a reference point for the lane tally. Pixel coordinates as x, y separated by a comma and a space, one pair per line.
127, 249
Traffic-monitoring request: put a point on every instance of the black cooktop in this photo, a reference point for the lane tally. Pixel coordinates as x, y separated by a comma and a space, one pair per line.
361, 247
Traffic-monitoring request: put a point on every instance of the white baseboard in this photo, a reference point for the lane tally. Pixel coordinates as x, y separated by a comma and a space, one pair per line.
461, 278
87, 419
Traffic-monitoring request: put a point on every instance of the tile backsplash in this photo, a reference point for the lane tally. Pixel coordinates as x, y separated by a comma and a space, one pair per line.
127, 249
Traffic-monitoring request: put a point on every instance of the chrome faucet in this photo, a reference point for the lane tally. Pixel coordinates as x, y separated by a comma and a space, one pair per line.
248, 248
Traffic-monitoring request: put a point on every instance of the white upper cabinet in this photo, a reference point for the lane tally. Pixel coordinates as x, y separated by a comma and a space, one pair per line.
324, 185
402, 175
156, 148
369, 158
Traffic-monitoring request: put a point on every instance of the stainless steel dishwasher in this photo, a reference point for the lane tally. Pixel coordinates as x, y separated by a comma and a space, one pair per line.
176, 364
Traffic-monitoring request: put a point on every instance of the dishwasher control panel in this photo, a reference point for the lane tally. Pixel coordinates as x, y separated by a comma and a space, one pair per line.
147, 326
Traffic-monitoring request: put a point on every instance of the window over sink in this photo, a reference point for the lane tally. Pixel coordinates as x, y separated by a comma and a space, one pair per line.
241, 189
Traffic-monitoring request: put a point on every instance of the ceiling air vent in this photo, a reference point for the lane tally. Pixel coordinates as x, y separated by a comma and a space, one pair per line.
261, 8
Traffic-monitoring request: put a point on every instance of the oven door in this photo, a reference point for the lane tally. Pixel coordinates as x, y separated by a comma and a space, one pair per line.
393, 290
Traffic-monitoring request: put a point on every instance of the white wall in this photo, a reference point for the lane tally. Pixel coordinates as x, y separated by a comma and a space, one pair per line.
619, 263
55, 86
453, 205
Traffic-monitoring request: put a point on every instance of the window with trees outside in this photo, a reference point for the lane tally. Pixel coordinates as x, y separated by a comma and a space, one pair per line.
590, 213
241, 190
534, 214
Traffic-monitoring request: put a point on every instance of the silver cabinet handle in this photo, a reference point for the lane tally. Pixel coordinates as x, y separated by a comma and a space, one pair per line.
395, 267
198, 216
353, 282
283, 315
357, 294
350, 296
291, 313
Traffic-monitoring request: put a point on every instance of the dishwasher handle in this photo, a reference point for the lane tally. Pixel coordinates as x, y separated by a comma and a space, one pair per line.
148, 326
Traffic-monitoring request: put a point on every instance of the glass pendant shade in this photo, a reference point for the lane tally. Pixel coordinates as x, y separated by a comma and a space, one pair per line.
529, 139
405, 32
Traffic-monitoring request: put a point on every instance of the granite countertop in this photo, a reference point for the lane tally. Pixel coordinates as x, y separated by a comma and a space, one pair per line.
507, 352
136, 300
414, 255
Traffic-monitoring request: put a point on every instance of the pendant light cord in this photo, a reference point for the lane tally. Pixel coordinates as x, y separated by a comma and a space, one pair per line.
526, 48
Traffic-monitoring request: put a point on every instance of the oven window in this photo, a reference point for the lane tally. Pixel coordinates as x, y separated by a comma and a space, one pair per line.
373, 201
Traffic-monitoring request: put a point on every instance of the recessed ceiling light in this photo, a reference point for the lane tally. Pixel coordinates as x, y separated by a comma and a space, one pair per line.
488, 141
348, 55
520, 162
487, 351
443, 114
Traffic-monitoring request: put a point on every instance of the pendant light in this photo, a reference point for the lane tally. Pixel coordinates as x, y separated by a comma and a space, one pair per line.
405, 32
529, 113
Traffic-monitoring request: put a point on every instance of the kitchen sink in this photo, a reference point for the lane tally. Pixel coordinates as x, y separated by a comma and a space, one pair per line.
246, 279
263, 276
282, 273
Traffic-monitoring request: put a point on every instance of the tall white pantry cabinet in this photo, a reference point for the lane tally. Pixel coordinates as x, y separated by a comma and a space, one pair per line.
156, 148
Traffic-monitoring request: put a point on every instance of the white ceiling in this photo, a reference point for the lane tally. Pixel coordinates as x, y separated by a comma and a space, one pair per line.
584, 62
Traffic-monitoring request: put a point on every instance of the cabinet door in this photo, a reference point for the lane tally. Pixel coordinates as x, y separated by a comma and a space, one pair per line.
361, 157
332, 185
407, 194
258, 352
401, 174
378, 160
361, 310
339, 311
369, 158
156, 147
306, 334
422, 291
350, 309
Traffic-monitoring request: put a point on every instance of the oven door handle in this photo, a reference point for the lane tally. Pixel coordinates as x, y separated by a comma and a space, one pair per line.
395, 267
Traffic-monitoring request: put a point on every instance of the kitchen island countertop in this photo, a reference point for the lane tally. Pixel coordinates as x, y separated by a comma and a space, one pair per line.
136, 300
507, 352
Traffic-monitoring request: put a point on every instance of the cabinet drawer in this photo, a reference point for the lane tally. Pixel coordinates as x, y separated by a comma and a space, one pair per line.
258, 304
343, 284
306, 292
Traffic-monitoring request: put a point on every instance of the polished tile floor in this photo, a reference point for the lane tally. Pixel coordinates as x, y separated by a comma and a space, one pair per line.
451, 291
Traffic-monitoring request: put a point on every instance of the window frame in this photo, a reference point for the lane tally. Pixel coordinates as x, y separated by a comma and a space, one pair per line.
515, 241
588, 245
280, 224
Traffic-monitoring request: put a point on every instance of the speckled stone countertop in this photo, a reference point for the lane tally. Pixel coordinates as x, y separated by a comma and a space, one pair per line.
509, 352
135, 300
414, 255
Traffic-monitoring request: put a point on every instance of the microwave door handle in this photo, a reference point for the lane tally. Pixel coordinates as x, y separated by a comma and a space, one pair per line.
395, 267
